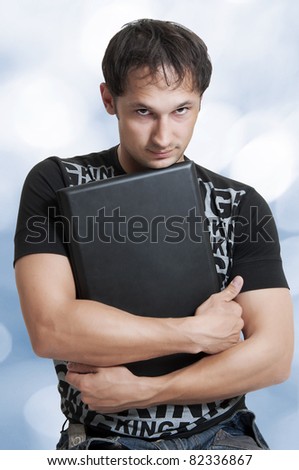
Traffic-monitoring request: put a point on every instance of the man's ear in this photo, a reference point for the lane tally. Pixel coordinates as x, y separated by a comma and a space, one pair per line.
108, 99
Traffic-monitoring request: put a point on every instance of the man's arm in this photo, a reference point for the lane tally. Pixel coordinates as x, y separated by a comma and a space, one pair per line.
63, 327
262, 359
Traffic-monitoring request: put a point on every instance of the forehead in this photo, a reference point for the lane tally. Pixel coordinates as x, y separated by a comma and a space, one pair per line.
163, 78
142, 82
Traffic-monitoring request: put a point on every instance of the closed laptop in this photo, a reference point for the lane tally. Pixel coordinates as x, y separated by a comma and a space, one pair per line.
138, 242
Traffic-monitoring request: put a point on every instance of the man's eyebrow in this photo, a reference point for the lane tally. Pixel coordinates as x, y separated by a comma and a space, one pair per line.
185, 103
139, 105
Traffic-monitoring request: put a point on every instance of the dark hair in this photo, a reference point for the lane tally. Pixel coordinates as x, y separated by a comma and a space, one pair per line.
156, 44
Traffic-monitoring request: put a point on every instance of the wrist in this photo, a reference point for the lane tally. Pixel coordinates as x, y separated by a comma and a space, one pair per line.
153, 391
189, 330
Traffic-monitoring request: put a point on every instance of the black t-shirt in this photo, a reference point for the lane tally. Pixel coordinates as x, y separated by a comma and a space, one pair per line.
244, 241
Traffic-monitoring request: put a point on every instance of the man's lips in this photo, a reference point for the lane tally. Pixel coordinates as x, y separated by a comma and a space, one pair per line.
161, 153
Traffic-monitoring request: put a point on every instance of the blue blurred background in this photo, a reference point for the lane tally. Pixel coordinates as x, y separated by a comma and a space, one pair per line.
50, 56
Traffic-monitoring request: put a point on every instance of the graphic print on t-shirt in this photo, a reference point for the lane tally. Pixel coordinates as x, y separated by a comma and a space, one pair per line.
221, 229
79, 174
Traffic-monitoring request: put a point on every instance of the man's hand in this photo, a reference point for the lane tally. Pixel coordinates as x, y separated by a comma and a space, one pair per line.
219, 319
108, 389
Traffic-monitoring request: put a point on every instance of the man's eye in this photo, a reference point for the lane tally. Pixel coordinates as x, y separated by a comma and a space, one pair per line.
143, 112
181, 110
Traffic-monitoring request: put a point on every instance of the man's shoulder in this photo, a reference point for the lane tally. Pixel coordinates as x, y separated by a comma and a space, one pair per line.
93, 166
220, 181
107, 155
220, 190
77, 169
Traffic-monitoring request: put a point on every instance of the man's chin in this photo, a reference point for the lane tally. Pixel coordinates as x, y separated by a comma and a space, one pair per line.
160, 163
146, 164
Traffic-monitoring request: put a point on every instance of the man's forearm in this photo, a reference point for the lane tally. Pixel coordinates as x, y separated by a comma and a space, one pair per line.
241, 369
224, 375
93, 333
97, 334
63, 327
107, 336
220, 376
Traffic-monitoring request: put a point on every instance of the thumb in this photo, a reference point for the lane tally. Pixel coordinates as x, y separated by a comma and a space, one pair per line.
233, 289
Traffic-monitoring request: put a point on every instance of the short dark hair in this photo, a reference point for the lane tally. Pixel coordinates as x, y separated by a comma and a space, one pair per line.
156, 44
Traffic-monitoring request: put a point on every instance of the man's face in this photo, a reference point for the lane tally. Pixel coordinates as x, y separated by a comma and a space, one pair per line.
156, 120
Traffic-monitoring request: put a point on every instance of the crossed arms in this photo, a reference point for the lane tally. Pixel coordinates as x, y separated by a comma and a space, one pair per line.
97, 339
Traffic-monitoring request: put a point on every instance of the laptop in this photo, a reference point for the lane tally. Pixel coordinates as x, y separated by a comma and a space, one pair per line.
138, 242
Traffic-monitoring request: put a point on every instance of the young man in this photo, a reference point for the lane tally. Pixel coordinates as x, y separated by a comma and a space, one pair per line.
155, 75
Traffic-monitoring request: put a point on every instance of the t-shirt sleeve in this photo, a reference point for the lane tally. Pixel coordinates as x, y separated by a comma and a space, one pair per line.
256, 253
39, 228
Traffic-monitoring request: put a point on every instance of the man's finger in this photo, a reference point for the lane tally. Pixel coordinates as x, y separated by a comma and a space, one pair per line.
233, 289
74, 379
81, 368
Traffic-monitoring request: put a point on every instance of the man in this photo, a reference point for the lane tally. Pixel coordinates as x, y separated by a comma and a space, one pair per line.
155, 75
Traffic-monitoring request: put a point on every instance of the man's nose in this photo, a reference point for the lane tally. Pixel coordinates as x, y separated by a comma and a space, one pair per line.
161, 133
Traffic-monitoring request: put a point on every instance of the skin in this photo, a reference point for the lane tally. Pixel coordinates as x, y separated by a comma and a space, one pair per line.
156, 123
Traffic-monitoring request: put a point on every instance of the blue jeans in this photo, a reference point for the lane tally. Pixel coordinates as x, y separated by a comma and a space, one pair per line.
239, 432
